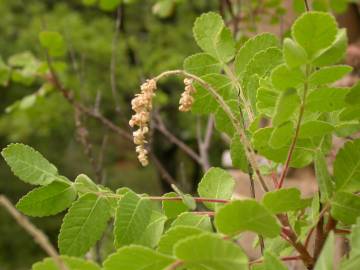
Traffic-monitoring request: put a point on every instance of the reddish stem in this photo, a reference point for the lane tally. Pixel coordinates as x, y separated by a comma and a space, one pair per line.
287, 258
197, 199
203, 213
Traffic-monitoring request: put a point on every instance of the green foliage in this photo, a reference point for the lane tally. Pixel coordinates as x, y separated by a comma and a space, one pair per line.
273, 100
72, 263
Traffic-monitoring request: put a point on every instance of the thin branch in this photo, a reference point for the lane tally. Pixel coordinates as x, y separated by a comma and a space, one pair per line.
38, 235
113, 59
160, 126
175, 265
307, 7
287, 258
297, 131
250, 153
163, 172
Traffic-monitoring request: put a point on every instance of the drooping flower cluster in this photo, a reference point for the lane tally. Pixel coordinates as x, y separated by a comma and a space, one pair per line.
142, 105
187, 99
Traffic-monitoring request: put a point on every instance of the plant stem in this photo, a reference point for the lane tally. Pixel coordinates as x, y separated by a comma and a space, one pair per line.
250, 153
175, 265
297, 130
287, 258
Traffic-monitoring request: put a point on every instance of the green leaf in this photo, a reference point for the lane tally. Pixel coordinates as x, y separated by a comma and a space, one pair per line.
190, 219
216, 184
284, 78
109, 5
247, 215
350, 113
84, 224
71, 263
222, 120
328, 75
314, 31
29, 165
53, 42
345, 207
21, 59
83, 184
131, 219
335, 53
281, 135
347, 167
187, 199
89, 2
353, 97
283, 200
174, 235
252, 47
204, 102
326, 258
137, 258
213, 37
201, 64
326, 99
238, 156
294, 54
164, 8
47, 200
152, 234
272, 262
262, 63
323, 177
355, 239
315, 128
210, 252
351, 264
286, 104
173, 208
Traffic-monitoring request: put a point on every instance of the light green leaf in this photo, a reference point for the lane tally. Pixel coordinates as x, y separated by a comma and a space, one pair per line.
89, 2
47, 200
350, 113
284, 78
29, 165
109, 5
347, 167
201, 64
83, 184
283, 200
222, 120
266, 100
345, 207
210, 252
173, 208
353, 97
190, 219
238, 156
247, 215
84, 224
154, 230
213, 37
216, 184
5, 73
53, 42
286, 104
272, 262
21, 59
326, 258
251, 47
326, 99
281, 135
355, 239
137, 258
174, 235
335, 53
323, 177
131, 219
262, 63
351, 264
294, 54
164, 8
314, 31
330, 74
204, 102
315, 128
71, 262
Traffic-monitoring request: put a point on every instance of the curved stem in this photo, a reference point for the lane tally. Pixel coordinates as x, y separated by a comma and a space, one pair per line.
297, 130
250, 153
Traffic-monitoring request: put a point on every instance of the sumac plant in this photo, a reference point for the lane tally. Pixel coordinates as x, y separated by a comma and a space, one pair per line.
276, 101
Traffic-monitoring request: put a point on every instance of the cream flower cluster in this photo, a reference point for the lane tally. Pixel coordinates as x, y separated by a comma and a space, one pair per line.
142, 105
187, 99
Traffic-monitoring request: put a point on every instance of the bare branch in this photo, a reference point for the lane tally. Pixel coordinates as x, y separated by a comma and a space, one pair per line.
39, 237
